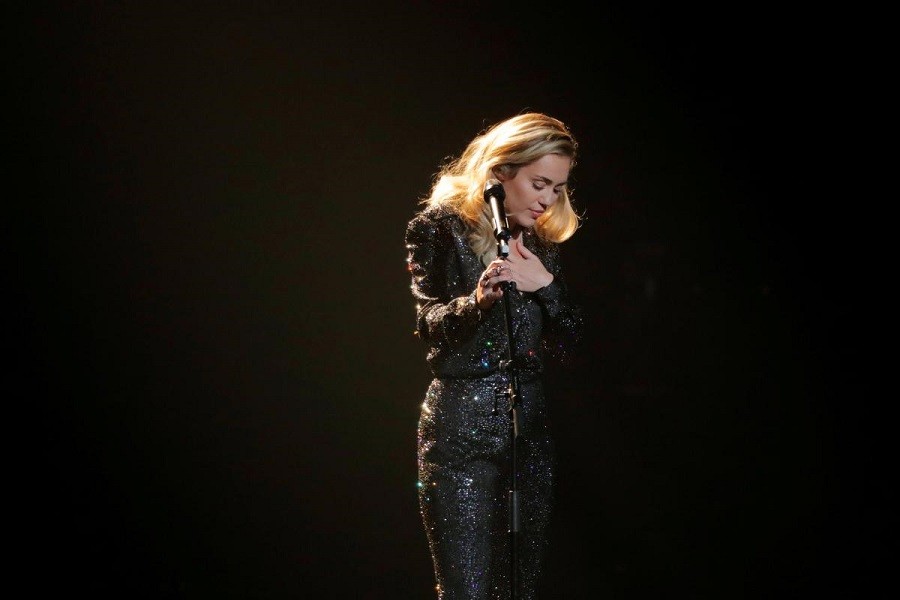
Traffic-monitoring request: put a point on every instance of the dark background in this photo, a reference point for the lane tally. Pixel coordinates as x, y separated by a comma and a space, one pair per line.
217, 327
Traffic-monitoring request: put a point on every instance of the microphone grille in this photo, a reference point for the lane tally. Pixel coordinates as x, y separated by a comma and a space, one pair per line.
493, 187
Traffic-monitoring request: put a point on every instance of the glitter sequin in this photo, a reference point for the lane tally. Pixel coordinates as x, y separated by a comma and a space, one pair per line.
463, 439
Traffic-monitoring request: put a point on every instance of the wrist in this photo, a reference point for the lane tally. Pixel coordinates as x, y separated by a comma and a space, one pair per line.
475, 302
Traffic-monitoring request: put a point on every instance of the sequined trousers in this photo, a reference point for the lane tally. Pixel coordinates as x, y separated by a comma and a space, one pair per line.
464, 463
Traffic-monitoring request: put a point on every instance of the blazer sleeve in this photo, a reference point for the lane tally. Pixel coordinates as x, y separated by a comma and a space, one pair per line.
446, 312
563, 318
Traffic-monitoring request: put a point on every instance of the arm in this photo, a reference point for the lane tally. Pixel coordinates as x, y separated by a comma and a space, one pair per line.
446, 313
540, 274
564, 322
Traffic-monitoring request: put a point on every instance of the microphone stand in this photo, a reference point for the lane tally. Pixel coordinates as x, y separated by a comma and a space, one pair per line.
511, 394
494, 195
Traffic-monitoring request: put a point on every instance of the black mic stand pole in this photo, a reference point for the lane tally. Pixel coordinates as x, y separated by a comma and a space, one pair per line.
511, 393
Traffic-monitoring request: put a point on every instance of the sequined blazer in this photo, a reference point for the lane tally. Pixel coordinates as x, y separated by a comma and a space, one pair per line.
464, 341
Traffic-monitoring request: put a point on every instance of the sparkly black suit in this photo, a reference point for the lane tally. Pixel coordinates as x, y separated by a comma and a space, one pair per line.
464, 432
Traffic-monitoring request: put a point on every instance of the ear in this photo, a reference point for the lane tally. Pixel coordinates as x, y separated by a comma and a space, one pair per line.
498, 174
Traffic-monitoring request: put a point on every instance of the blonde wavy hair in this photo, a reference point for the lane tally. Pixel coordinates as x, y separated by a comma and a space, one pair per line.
505, 147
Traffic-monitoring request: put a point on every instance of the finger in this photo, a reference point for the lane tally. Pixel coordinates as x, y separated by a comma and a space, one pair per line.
525, 252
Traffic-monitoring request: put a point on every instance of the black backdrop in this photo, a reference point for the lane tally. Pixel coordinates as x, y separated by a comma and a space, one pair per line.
217, 327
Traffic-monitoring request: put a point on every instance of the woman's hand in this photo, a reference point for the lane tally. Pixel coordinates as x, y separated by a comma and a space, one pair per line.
488, 290
526, 269
521, 267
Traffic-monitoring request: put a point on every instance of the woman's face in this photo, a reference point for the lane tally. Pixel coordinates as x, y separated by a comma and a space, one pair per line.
534, 189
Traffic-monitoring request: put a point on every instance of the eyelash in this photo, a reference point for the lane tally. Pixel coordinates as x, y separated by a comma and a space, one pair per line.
538, 185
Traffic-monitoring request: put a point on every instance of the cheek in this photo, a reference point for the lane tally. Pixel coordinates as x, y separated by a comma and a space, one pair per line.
520, 199
511, 203
518, 206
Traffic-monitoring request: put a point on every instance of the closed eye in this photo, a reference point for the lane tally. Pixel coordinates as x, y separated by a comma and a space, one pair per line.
557, 190
541, 182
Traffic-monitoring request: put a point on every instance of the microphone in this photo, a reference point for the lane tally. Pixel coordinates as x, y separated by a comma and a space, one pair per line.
494, 195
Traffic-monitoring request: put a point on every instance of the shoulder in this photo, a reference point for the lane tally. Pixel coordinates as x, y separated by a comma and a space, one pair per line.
540, 245
546, 251
434, 220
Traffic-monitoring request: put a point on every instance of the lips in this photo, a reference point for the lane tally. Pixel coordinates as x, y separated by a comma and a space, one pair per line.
535, 213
